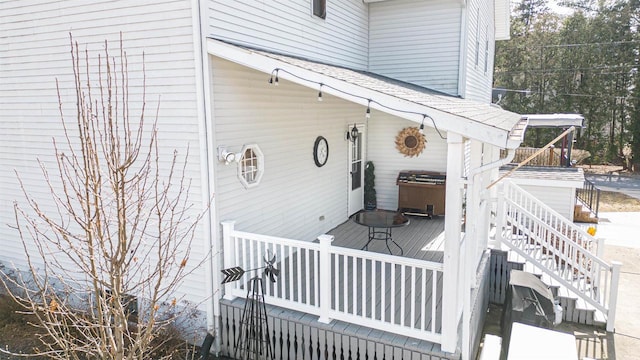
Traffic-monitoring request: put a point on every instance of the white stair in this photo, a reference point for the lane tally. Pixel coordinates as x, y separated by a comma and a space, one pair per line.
561, 253
575, 309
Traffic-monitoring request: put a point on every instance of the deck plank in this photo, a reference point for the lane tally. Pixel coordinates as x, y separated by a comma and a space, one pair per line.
422, 239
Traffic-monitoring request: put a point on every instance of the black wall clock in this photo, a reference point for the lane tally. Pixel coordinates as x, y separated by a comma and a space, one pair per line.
320, 151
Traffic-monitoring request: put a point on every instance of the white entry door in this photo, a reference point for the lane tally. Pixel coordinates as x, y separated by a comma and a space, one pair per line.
356, 170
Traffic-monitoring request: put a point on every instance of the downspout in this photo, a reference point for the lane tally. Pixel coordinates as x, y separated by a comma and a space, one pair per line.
198, 11
469, 275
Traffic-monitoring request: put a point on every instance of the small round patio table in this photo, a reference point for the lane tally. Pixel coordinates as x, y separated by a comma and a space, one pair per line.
380, 223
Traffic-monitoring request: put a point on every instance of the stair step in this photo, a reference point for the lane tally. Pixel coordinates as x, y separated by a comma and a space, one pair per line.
581, 215
575, 309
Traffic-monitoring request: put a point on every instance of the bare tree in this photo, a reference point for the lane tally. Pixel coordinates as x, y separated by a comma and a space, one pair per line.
104, 266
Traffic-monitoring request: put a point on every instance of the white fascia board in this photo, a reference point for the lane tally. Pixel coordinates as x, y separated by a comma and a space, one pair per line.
533, 181
555, 120
411, 111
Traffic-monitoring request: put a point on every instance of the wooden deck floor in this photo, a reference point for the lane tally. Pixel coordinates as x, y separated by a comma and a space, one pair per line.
422, 239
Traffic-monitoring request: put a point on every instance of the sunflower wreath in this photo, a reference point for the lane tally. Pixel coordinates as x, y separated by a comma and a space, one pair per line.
410, 142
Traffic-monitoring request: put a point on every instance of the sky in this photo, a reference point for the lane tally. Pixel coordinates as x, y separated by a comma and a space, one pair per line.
558, 9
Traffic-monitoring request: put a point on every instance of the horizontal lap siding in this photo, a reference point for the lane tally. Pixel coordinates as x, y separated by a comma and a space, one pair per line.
503, 19
284, 121
416, 41
479, 81
34, 52
289, 27
388, 161
560, 199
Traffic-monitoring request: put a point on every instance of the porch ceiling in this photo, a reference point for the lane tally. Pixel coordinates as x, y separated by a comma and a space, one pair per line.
468, 118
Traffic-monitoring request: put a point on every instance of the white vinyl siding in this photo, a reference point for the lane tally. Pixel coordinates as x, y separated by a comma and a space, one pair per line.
388, 161
560, 199
295, 198
290, 27
502, 14
416, 41
481, 40
34, 52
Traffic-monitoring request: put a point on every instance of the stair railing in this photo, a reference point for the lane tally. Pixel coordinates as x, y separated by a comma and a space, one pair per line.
559, 248
589, 196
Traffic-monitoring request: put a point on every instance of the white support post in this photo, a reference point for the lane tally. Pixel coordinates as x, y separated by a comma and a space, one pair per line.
492, 175
500, 224
468, 267
228, 250
600, 247
324, 285
613, 295
475, 217
451, 263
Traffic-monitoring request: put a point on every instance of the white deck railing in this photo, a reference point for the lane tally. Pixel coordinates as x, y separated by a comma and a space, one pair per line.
399, 295
565, 251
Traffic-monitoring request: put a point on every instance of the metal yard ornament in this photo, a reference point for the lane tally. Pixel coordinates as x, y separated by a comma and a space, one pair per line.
253, 340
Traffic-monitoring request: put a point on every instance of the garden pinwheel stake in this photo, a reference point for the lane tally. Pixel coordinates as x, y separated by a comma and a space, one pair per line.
253, 340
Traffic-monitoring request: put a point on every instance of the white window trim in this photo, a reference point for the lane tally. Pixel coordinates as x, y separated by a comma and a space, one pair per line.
486, 51
477, 60
259, 163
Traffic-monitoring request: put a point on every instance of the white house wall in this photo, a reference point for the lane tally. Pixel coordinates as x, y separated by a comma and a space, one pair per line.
295, 198
34, 52
480, 32
388, 161
502, 13
290, 27
416, 41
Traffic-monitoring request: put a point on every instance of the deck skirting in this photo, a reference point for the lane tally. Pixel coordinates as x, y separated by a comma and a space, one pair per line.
297, 335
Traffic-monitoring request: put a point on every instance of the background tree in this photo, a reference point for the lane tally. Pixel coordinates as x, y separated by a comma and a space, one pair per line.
104, 267
585, 62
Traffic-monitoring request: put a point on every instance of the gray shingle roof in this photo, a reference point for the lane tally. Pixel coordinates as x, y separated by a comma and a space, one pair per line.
544, 173
471, 110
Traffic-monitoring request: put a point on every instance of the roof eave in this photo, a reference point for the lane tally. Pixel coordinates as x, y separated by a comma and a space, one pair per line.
410, 110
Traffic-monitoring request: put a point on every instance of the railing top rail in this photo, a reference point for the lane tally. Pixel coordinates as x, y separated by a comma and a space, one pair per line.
591, 183
368, 255
275, 239
399, 260
587, 253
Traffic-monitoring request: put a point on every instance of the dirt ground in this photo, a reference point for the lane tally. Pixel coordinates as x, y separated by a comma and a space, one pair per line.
604, 169
611, 201
18, 336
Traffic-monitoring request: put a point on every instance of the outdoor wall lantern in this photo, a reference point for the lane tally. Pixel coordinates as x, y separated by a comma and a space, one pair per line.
353, 134
227, 156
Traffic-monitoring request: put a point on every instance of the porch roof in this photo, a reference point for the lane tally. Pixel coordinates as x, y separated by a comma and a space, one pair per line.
468, 118
543, 175
555, 120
